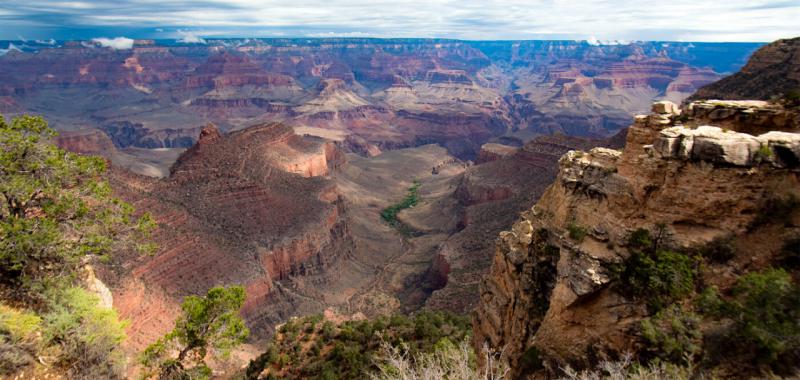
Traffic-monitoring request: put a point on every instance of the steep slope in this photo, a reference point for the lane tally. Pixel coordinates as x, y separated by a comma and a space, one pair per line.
773, 70
490, 196
249, 208
555, 296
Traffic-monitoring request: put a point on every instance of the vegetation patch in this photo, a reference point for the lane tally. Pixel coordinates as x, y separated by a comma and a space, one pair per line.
656, 275
389, 214
719, 250
673, 334
575, 232
312, 348
764, 310
57, 213
208, 324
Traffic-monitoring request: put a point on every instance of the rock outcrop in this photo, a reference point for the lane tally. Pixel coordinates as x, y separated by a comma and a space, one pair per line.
550, 296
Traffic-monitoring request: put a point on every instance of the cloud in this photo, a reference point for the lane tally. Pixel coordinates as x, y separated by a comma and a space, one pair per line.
606, 20
595, 42
118, 43
339, 35
10, 48
188, 37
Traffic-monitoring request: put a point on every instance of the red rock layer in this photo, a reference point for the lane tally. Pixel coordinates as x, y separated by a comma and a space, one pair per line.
231, 213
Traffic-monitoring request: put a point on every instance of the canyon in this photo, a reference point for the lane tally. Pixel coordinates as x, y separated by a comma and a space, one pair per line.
372, 93
696, 177
267, 164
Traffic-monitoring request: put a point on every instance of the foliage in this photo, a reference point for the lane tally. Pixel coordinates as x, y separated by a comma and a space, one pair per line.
55, 210
17, 338
792, 98
673, 334
349, 350
661, 277
447, 361
576, 232
719, 250
389, 214
207, 323
85, 335
640, 240
18, 325
764, 309
56, 213
627, 369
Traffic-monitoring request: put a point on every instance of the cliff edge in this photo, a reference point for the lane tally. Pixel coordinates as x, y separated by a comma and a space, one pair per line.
557, 294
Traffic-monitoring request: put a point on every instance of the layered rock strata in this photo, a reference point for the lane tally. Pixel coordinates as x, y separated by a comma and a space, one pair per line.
550, 296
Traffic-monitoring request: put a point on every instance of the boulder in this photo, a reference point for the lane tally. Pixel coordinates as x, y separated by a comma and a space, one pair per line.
724, 147
666, 107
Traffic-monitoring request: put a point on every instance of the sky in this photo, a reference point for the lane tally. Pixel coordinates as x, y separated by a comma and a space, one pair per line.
592, 20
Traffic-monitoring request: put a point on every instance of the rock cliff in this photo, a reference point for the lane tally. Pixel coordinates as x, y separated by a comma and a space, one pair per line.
249, 208
552, 299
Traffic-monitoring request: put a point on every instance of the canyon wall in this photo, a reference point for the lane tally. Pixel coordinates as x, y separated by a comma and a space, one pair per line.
389, 93
551, 299
250, 208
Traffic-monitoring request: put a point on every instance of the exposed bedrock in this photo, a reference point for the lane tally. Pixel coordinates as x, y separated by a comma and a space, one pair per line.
248, 208
549, 295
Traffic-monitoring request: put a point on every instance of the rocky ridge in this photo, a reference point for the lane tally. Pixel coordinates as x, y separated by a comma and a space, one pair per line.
552, 296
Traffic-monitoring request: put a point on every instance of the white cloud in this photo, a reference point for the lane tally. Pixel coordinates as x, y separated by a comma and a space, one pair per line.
10, 48
189, 37
118, 43
339, 34
595, 42
51, 42
607, 20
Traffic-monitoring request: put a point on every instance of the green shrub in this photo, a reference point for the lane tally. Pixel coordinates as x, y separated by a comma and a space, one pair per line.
662, 277
640, 240
764, 308
18, 325
349, 349
672, 334
389, 214
86, 335
209, 323
719, 250
764, 153
576, 232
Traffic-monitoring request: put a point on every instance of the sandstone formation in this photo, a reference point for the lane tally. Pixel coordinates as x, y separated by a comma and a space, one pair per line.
552, 296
